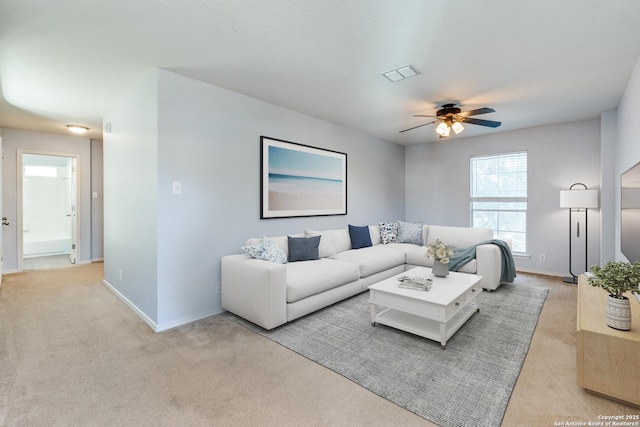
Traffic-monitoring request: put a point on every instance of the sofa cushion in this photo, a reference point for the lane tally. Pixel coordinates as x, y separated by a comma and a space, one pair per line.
458, 237
306, 278
267, 250
303, 248
325, 249
341, 240
388, 232
373, 259
404, 247
410, 232
360, 237
374, 232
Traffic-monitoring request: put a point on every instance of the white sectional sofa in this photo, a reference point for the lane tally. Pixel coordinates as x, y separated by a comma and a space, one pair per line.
270, 294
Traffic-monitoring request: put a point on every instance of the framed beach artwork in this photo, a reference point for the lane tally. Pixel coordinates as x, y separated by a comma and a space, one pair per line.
299, 180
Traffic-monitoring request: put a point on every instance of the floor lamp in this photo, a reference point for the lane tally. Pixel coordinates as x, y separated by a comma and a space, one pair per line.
578, 199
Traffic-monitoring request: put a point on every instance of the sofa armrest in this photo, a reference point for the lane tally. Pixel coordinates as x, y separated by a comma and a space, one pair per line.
489, 266
255, 290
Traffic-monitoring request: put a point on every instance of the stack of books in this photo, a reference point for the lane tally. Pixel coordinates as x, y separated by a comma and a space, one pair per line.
415, 282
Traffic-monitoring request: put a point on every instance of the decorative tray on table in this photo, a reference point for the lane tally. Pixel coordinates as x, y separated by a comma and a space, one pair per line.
415, 282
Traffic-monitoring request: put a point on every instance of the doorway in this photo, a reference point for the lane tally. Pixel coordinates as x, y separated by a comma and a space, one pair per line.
47, 210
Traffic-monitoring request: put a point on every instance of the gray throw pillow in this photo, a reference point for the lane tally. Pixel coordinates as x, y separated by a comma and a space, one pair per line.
410, 232
303, 248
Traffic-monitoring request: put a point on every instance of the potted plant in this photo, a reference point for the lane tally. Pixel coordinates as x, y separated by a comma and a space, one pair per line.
441, 253
617, 278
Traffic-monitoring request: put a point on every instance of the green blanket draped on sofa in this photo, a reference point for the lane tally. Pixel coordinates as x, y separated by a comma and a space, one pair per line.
463, 256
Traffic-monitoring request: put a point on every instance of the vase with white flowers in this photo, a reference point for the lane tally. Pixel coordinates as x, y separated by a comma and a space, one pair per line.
441, 252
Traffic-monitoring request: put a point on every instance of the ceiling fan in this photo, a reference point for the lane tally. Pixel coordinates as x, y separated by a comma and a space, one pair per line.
452, 117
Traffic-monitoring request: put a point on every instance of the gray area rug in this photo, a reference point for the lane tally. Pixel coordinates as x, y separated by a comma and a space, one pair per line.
468, 384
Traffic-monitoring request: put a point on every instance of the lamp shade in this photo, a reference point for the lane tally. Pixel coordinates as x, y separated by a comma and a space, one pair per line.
579, 199
457, 127
443, 129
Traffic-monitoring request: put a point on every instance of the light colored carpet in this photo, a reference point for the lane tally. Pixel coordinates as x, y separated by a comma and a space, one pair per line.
73, 354
468, 384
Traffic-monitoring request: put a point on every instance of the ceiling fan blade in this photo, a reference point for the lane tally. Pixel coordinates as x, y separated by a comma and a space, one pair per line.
422, 115
481, 122
476, 112
419, 126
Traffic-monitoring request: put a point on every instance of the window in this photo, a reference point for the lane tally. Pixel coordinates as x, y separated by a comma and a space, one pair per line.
499, 196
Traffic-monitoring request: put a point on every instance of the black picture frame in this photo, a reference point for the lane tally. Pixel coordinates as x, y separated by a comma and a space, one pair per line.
298, 180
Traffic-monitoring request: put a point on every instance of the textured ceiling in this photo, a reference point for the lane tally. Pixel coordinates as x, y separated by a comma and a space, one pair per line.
535, 63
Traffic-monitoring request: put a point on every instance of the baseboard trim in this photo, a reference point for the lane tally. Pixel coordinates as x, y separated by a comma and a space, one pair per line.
544, 273
187, 320
166, 326
100, 259
131, 305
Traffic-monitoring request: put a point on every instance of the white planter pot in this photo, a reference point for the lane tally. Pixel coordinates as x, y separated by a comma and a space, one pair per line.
619, 313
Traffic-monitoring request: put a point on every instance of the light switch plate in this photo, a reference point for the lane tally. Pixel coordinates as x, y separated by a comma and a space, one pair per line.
177, 187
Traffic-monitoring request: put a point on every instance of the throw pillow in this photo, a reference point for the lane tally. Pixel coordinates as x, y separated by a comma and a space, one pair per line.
360, 237
267, 250
388, 232
410, 232
303, 248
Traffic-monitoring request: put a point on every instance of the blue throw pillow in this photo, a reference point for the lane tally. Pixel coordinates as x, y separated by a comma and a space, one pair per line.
303, 248
360, 237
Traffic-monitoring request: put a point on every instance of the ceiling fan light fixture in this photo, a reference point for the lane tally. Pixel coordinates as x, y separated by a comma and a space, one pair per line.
443, 129
457, 127
77, 129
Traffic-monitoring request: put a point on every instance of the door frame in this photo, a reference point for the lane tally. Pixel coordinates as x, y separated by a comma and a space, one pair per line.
19, 197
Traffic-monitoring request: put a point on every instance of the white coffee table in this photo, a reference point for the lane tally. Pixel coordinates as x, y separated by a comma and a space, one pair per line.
435, 314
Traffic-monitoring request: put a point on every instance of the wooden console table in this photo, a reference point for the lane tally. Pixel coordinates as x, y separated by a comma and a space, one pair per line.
608, 360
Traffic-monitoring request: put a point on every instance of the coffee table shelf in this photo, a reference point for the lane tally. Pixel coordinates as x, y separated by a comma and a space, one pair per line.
436, 314
426, 328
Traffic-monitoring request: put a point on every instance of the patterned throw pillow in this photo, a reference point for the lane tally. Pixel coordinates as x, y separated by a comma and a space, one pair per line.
410, 232
266, 250
388, 232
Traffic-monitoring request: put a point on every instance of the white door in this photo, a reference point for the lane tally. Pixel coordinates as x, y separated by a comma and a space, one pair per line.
73, 209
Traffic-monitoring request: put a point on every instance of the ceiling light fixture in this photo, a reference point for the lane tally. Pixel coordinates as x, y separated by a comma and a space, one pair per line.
401, 73
443, 129
77, 128
457, 127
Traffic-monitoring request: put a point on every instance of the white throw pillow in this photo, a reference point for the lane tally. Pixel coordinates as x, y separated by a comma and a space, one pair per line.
326, 242
267, 250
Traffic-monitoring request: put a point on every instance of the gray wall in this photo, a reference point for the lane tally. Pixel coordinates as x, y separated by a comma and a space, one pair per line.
208, 139
13, 140
437, 186
628, 147
131, 200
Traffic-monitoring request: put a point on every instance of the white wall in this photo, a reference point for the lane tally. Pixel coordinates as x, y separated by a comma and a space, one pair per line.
209, 139
628, 148
14, 139
131, 199
437, 186
608, 179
